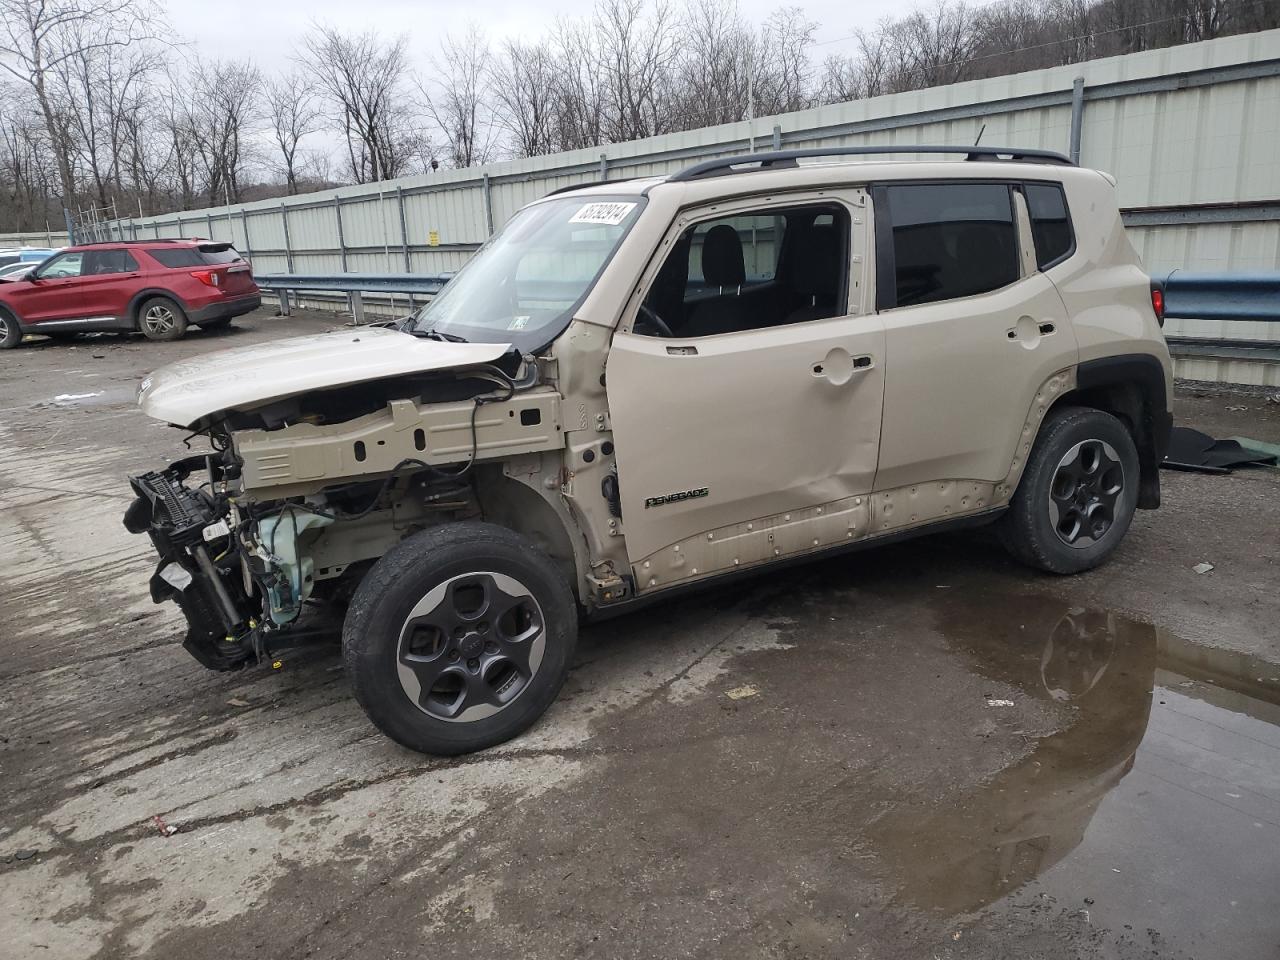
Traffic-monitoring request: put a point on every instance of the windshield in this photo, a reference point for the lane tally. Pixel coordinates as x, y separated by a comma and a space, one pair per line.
524, 284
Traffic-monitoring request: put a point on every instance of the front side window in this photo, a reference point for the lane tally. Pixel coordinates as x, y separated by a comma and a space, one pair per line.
750, 271
524, 284
61, 267
1050, 223
941, 241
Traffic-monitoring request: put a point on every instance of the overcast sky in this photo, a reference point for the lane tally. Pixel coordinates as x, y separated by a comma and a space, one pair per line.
267, 30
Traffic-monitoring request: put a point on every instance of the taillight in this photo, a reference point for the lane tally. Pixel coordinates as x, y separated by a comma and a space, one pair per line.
1157, 304
208, 277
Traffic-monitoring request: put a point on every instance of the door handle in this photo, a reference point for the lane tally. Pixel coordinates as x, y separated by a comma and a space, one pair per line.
1028, 330
838, 366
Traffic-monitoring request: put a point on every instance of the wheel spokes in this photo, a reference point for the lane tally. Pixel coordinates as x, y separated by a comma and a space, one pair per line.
1085, 493
471, 645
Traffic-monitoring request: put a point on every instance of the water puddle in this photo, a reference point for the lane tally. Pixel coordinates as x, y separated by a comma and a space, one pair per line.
1157, 808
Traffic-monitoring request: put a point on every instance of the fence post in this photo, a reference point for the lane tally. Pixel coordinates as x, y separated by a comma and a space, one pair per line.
777, 137
357, 306
1077, 117
244, 224
488, 205
604, 166
283, 295
288, 244
342, 242
404, 232
208, 225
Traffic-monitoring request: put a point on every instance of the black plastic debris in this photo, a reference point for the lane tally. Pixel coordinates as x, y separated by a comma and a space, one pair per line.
1192, 450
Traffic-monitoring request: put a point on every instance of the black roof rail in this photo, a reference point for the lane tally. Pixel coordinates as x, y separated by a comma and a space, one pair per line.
788, 158
139, 242
593, 183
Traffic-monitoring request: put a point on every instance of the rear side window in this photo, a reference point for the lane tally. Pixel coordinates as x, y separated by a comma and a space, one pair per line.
1050, 223
940, 241
178, 257
101, 262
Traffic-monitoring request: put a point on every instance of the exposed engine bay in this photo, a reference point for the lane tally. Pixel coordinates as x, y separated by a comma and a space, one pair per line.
300, 495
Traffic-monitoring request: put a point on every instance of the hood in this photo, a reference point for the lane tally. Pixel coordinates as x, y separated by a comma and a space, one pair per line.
185, 392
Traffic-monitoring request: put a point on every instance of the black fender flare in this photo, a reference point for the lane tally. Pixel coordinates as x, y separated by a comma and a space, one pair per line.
1152, 422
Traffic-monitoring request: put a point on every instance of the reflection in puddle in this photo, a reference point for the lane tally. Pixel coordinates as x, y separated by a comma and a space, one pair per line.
1156, 807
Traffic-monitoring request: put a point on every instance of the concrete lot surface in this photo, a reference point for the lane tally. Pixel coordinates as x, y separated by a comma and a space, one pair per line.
920, 751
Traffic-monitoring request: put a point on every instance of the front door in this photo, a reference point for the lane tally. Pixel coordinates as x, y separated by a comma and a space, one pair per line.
746, 394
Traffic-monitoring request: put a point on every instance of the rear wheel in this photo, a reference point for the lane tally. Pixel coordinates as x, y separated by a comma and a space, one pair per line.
1078, 495
161, 319
10, 333
459, 638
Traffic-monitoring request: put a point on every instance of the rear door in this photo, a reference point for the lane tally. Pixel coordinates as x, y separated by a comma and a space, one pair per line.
972, 329
107, 283
753, 443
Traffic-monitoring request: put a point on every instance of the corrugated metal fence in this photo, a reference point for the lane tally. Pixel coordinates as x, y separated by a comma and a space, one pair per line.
1192, 134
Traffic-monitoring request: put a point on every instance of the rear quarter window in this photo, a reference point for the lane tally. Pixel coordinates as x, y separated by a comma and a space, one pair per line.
176, 257
1050, 223
179, 257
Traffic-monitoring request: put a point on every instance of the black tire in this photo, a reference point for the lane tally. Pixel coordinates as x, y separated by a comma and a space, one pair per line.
219, 324
1065, 518
10, 332
162, 320
388, 652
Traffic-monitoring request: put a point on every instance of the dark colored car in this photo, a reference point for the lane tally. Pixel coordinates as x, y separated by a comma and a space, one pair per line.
157, 287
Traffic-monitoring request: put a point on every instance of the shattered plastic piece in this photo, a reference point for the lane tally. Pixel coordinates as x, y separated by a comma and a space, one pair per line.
1192, 450
741, 693
1202, 567
999, 703
63, 397
165, 829
237, 702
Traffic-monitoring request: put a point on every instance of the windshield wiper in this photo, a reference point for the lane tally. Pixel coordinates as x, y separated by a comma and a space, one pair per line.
439, 335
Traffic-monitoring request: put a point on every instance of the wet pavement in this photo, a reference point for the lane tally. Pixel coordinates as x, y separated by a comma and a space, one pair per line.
920, 751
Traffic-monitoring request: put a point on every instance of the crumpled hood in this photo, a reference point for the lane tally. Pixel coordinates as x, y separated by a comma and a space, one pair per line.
184, 392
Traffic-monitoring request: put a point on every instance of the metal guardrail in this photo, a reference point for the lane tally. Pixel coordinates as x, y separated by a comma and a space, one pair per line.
1222, 296
354, 285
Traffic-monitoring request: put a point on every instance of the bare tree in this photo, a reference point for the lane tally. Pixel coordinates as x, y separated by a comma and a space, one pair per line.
718, 51
293, 113
581, 94
39, 36
523, 79
457, 97
362, 78
635, 54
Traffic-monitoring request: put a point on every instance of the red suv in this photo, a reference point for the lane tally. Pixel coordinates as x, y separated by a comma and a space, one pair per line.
156, 286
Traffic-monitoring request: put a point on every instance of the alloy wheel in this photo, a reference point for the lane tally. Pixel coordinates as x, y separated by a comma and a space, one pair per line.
471, 646
1086, 490
158, 319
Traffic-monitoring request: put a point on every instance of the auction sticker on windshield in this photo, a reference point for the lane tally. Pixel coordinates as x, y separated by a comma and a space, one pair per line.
610, 214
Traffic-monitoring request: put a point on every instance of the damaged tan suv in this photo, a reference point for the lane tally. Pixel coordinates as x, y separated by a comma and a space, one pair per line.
645, 385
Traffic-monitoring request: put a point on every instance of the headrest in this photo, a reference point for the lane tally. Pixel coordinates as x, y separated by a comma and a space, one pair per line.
722, 263
816, 268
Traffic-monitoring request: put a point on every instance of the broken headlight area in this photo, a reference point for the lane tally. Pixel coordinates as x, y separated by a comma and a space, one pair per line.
237, 576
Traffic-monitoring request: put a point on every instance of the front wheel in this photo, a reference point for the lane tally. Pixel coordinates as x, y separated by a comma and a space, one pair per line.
1077, 496
162, 319
459, 638
10, 332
